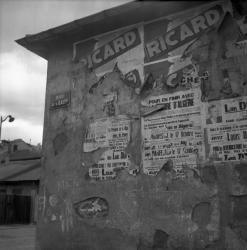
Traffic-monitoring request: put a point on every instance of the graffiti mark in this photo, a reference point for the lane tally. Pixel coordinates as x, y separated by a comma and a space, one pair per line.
93, 207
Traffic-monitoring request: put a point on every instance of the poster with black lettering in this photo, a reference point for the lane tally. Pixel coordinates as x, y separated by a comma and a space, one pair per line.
112, 134
172, 131
227, 142
234, 110
226, 111
226, 128
169, 44
123, 48
177, 32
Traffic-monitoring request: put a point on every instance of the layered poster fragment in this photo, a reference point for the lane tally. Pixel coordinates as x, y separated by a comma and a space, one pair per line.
227, 129
113, 134
172, 131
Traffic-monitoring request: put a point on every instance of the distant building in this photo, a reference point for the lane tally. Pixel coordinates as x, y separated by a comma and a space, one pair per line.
11, 150
19, 182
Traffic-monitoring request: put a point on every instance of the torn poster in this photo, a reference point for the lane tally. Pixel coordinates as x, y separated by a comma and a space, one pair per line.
226, 111
174, 132
110, 162
227, 129
123, 47
158, 45
114, 135
228, 142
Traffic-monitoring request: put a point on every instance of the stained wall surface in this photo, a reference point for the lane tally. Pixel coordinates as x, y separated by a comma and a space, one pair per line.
145, 137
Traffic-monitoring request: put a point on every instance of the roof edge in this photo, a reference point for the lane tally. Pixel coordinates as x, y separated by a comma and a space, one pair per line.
114, 18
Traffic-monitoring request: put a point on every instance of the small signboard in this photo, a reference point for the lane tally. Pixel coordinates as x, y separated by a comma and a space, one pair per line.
60, 100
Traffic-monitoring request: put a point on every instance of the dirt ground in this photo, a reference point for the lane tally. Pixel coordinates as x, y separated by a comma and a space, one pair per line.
17, 237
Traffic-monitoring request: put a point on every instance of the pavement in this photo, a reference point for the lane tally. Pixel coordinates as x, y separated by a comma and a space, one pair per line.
17, 237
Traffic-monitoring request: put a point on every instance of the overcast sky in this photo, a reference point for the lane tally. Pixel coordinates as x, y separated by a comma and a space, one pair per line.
22, 73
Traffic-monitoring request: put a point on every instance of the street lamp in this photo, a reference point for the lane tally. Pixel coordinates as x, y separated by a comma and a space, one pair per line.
11, 119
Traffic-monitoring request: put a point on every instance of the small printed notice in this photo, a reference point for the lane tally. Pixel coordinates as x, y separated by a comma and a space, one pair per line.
60, 100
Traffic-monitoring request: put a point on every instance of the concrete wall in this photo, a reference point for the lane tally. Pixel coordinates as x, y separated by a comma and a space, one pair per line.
145, 137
